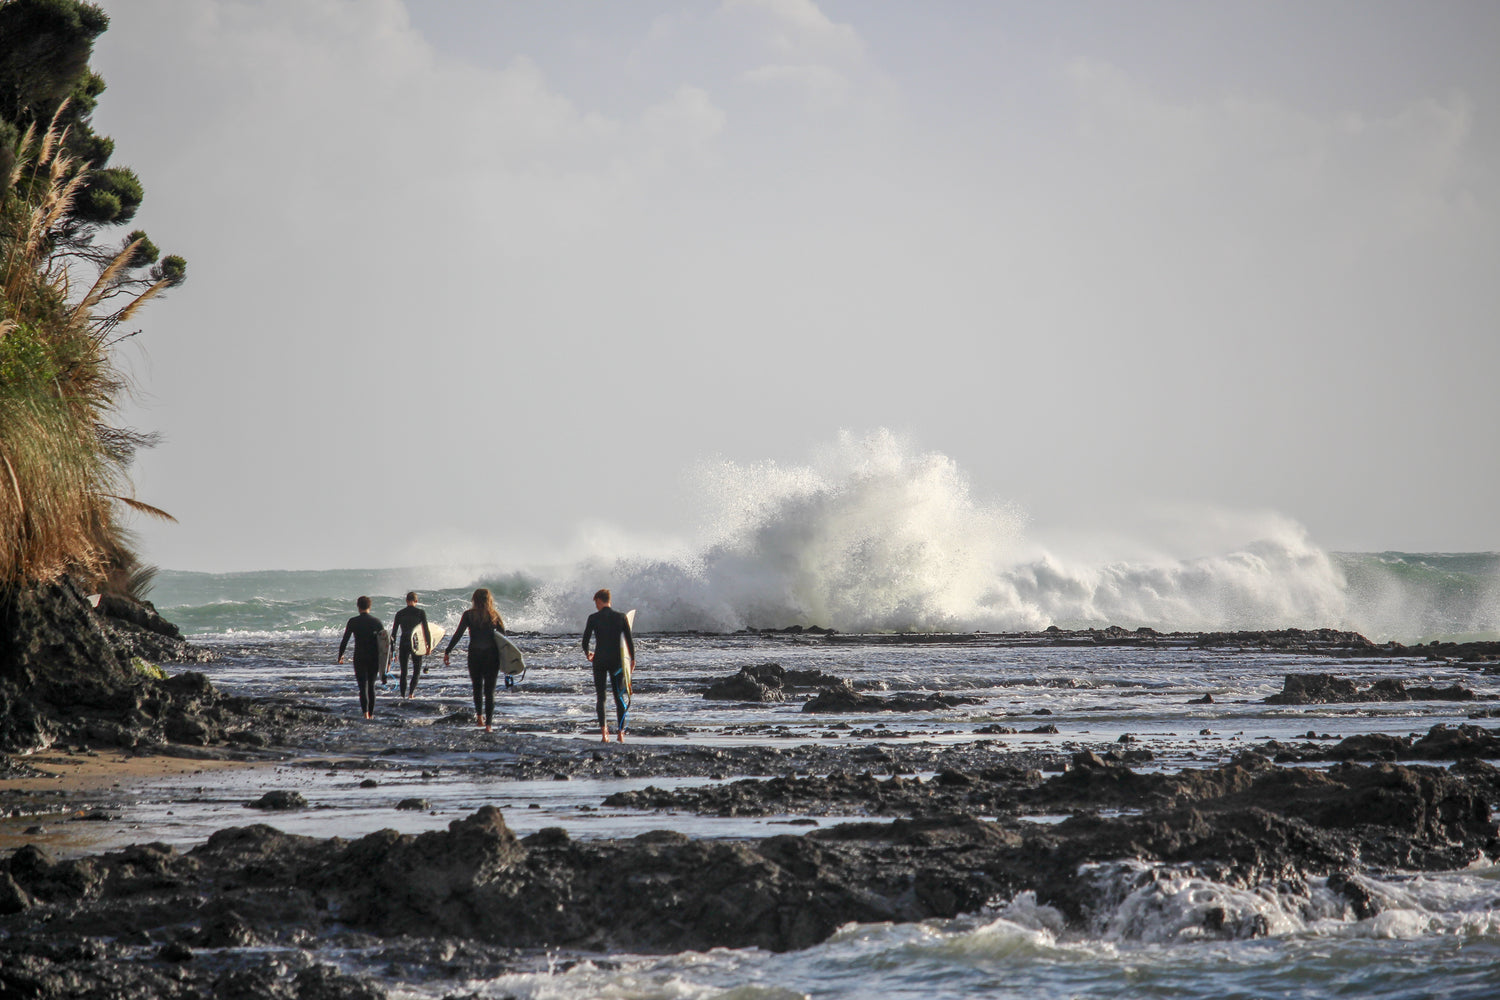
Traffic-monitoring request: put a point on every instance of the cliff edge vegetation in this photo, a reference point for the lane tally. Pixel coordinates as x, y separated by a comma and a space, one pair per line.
69, 292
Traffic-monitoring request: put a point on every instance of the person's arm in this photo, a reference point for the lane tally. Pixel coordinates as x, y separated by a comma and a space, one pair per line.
588, 630
426, 632
348, 631
463, 623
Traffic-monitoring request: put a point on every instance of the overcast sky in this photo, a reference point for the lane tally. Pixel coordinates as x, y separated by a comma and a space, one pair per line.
486, 282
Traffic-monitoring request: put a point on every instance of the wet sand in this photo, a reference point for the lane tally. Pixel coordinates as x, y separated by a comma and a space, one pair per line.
92, 770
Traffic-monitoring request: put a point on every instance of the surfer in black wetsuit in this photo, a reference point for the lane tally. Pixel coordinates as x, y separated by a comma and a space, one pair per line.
608, 627
482, 621
406, 622
366, 630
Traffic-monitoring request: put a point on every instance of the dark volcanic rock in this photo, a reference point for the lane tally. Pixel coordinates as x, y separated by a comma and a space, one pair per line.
1464, 743
769, 682
136, 630
846, 699
991, 791
69, 674
1370, 746
759, 683
1445, 743
1311, 689
1317, 689
1249, 824
279, 799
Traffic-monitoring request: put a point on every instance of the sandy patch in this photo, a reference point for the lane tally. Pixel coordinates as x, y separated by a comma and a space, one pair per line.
97, 770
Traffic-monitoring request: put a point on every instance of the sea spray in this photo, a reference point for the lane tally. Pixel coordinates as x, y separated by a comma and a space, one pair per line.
1279, 581
1418, 597
874, 534
873, 537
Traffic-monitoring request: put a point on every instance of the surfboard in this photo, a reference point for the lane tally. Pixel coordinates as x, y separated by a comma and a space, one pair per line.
512, 663
625, 656
382, 651
419, 645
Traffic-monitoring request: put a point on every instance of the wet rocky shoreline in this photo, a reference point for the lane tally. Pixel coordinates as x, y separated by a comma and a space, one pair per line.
252, 901
74, 674
894, 830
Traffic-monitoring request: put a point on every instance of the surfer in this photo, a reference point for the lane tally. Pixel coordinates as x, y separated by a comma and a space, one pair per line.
608, 627
481, 621
367, 631
406, 622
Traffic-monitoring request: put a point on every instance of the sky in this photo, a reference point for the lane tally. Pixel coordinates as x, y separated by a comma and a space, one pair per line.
495, 282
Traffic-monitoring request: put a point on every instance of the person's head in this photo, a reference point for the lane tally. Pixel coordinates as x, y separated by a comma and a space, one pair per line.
601, 598
411, 597
484, 607
363, 604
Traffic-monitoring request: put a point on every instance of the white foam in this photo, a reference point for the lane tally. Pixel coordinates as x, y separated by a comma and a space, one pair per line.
1163, 904
875, 535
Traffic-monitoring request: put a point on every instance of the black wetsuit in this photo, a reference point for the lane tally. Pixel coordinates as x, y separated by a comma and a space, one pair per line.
407, 621
608, 626
366, 629
484, 661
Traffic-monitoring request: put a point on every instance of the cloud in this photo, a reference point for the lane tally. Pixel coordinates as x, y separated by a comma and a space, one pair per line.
1364, 173
801, 27
824, 88
370, 224
401, 250
689, 117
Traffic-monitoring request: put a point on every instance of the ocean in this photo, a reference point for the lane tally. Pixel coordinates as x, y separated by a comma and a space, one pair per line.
1437, 934
1403, 596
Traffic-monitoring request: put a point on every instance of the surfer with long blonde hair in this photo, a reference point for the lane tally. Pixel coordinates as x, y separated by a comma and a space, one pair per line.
483, 622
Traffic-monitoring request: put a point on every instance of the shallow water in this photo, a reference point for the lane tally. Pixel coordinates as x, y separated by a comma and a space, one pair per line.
1092, 695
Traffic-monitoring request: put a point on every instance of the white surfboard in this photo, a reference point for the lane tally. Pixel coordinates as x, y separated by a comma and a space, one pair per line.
512, 663
419, 644
625, 654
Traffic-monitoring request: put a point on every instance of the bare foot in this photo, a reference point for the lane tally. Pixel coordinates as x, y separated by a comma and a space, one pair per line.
489, 729
622, 736
604, 734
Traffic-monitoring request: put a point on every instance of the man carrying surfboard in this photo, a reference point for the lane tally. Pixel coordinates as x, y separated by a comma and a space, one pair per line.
613, 645
372, 648
408, 623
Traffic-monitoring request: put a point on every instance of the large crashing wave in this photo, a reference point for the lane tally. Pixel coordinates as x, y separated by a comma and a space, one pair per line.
874, 535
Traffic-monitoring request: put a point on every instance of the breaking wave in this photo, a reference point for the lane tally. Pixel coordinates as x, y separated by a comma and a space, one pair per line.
875, 535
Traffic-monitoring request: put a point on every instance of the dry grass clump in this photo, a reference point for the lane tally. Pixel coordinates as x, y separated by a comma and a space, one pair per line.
62, 465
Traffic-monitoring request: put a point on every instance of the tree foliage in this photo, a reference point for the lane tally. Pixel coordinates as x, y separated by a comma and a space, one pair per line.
65, 292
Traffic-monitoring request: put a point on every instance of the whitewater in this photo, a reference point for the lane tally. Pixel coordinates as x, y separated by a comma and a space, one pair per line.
877, 536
